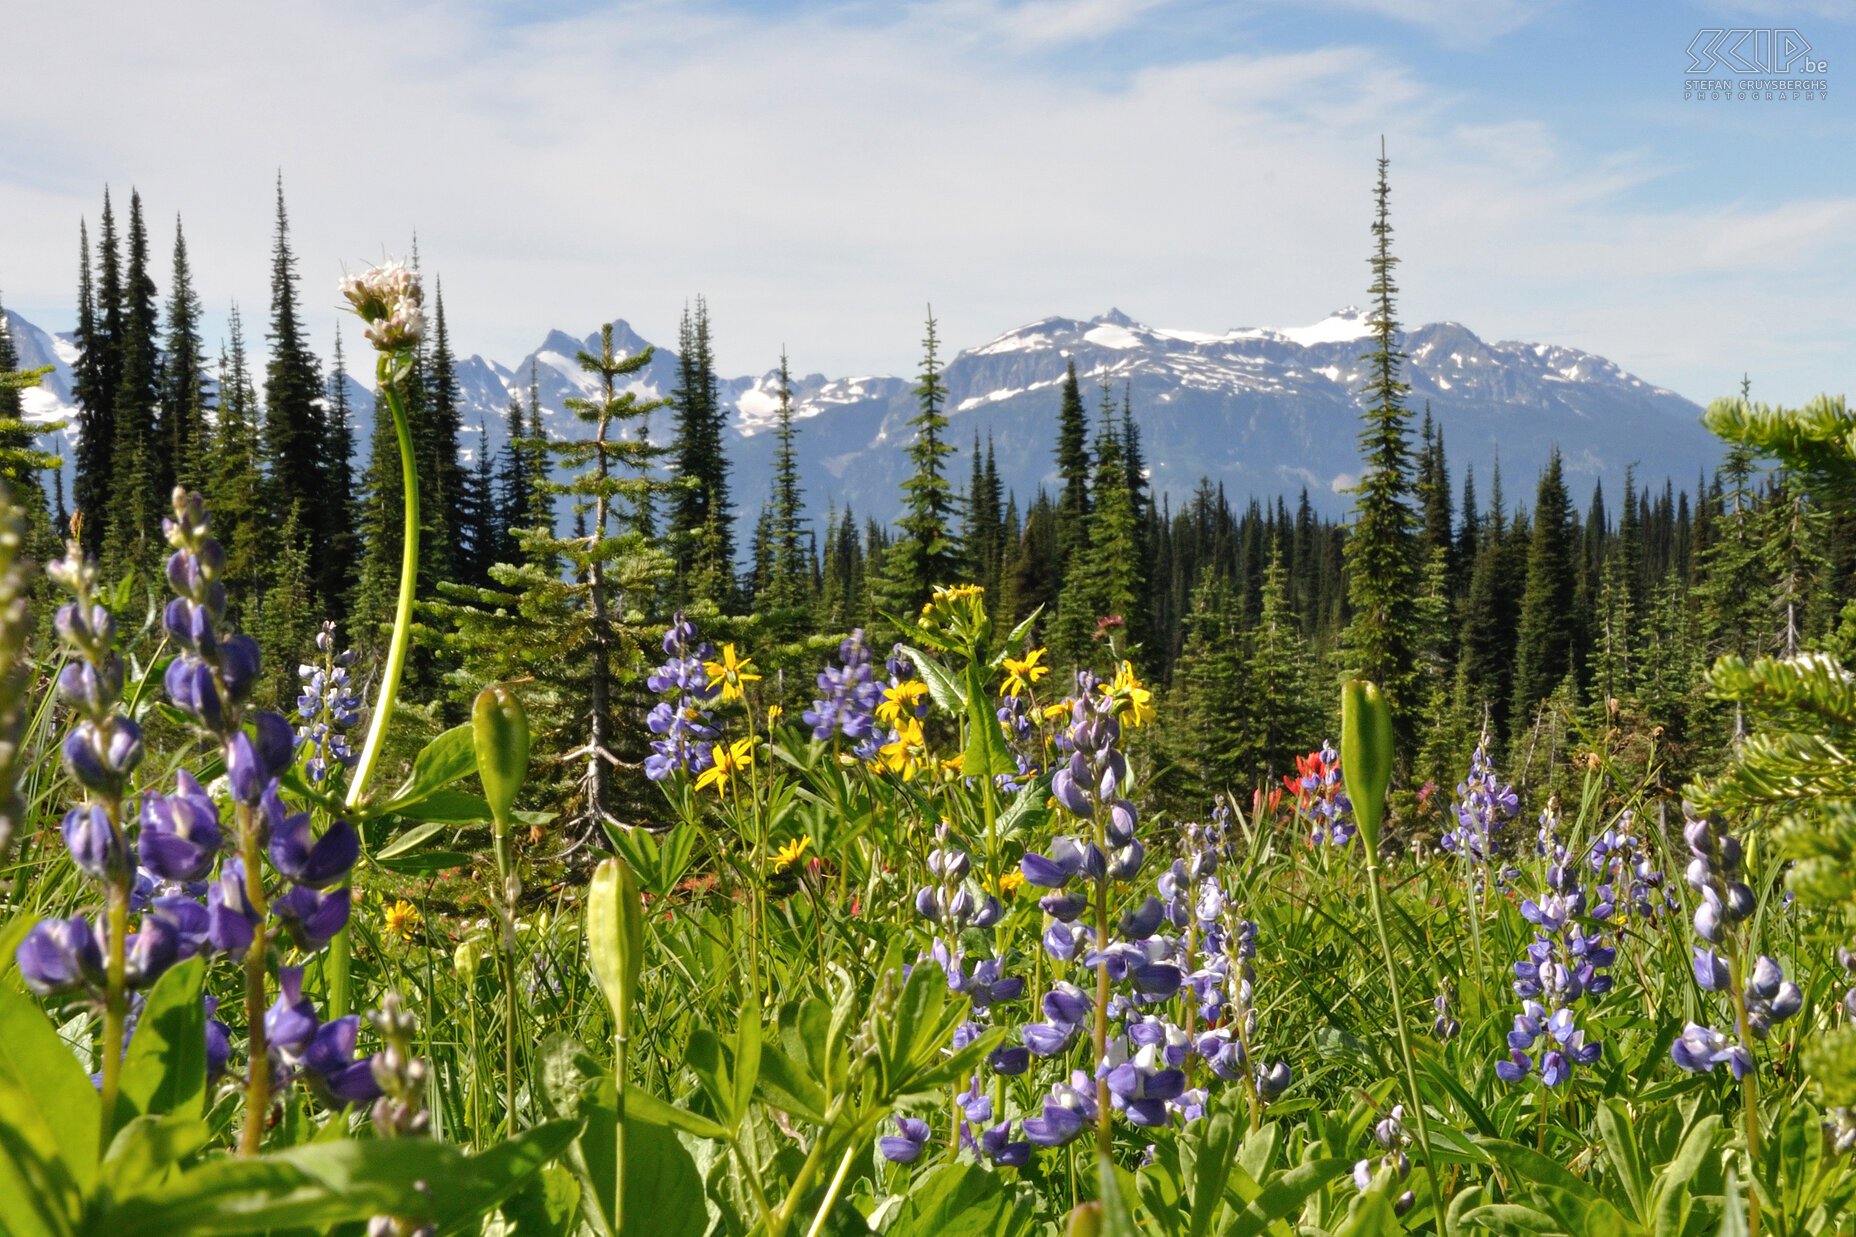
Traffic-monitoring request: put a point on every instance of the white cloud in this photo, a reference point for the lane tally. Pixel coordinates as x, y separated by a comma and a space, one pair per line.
822, 176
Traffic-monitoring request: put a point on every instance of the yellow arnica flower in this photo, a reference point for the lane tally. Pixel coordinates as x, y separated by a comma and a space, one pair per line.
790, 853
401, 920
1130, 695
1009, 882
901, 701
729, 761
900, 754
1022, 672
1060, 709
774, 714
733, 672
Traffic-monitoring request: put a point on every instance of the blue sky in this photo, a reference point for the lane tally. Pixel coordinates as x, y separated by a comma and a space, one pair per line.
821, 171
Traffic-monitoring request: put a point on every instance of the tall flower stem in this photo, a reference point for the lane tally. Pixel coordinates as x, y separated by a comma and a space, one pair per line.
116, 998
1749, 1087
258, 1068
1099, 1032
388, 374
1398, 1021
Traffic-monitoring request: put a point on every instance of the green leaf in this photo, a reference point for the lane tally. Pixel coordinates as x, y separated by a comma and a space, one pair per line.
1513, 1219
319, 1185
1207, 1169
648, 1107
1733, 1219
165, 1069
1117, 1215
62, 1103
410, 840
546, 1207
987, 754
34, 1180
944, 687
959, 1200
439, 763
1283, 1195
1626, 1158
449, 807
426, 862
789, 1085
149, 1150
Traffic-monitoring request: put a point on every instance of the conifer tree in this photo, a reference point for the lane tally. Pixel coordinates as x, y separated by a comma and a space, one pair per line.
1208, 694
1487, 621
1036, 558
286, 614
789, 567
702, 517
1545, 639
576, 642
343, 544
1284, 705
927, 552
381, 532
1382, 576
242, 518
514, 503
138, 493
1072, 471
295, 426
1104, 579
436, 424
87, 393
182, 412
21, 459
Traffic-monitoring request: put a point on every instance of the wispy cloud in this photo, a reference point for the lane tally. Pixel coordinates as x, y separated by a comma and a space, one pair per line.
822, 171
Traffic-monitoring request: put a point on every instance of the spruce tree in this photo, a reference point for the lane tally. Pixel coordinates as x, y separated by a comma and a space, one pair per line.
1382, 574
789, 566
1545, 639
1208, 697
98, 373
1284, 706
436, 431
514, 504
243, 520
1072, 472
139, 487
1104, 579
182, 414
927, 552
295, 426
575, 640
21, 460
702, 518
344, 507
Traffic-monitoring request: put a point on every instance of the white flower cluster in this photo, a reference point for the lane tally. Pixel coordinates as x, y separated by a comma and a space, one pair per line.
389, 300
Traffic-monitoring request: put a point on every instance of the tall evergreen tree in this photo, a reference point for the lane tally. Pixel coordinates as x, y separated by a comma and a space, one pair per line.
182, 414
702, 517
928, 551
1545, 639
343, 544
789, 564
139, 484
295, 426
98, 372
1072, 471
242, 518
1382, 575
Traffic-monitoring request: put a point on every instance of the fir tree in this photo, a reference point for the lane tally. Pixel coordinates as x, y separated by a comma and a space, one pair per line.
927, 552
1382, 577
98, 373
514, 502
182, 413
295, 427
789, 567
1545, 638
436, 424
242, 519
702, 518
338, 466
576, 643
1072, 471
139, 490
1283, 704
21, 460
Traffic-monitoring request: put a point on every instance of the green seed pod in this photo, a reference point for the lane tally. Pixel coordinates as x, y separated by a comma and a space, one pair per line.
1366, 756
1085, 1220
615, 937
499, 732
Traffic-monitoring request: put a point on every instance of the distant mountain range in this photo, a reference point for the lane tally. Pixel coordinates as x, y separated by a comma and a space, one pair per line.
1261, 412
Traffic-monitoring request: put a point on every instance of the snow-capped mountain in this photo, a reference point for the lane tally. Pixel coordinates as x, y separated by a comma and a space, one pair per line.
1261, 411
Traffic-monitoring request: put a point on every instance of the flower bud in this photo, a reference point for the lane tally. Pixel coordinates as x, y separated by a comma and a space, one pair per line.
499, 732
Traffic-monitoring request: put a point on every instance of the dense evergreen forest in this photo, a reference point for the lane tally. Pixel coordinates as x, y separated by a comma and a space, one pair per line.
1550, 621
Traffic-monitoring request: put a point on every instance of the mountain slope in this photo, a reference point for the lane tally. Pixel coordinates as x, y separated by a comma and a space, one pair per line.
1262, 412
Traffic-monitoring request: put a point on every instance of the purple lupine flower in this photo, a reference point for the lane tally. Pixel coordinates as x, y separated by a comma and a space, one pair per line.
313, 918
60, 956
96, 847
680, 722
1483, 806
848, 695
327, 706
232, 923
997, 1144
907, 1144
290, 1023
332, 1069
305, 859
180, 835
218, 1042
